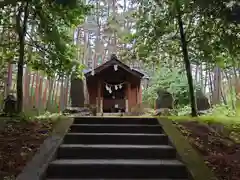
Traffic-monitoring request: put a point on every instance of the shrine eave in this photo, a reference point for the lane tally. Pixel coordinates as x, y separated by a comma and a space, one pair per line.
111, 62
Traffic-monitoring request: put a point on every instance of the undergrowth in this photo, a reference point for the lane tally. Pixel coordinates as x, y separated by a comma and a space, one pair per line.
221, 117
216, 110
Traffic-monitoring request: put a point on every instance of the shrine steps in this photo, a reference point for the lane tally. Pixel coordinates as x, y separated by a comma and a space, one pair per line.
116, 148
116, 128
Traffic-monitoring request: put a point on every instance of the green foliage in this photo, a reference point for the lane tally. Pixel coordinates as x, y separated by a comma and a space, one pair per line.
149, 96
47, 116
216, 111
79, 71
49, 38
222, 110
183, 111
43, 37
211, 38
54, 24
172, 80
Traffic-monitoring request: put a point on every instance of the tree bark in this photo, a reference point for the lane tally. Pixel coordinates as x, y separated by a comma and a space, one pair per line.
186, 60
33, 79
231, 90
211, 86
217, 86
50, 92
196, 73
201, 75
53, 91
21, 30
205, 79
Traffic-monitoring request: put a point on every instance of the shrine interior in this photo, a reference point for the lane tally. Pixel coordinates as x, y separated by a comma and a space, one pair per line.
114, 97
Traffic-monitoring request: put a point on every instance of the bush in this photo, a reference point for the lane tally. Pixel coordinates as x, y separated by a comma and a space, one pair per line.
216, 110
183, 111
222, 110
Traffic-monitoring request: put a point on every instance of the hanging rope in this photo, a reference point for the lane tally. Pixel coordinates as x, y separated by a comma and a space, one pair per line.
109, 87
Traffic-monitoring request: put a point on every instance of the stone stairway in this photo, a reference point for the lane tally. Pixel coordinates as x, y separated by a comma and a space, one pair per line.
116, 148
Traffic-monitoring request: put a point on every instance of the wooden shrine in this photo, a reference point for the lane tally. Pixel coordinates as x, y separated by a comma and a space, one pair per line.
114, 87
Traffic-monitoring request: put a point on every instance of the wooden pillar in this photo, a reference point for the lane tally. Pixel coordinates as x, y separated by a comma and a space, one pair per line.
99, 96
128, 99
126, 105
138, 93
101, 105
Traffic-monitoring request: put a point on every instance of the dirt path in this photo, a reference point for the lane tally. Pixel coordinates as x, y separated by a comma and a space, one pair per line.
221, 153
18, 143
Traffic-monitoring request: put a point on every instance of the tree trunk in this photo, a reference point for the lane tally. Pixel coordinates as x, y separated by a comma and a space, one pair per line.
26, 88
236, 87
37, 90
62, 93
21, 30
27, 75
46, 87
50, 92
210, 84
186, 60
33, 77
66, 97
196, 73
217, 86
205, 79
40, 92
223, 97
9, 80
54, 90
201, 75
56, 101
231, 90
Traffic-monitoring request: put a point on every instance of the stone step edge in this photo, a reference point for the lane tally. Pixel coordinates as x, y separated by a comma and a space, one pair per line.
113, 146
115, 134
117, 125
138, 162
112, 179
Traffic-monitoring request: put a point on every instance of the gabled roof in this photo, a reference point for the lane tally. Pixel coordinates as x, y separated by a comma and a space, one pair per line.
111, 62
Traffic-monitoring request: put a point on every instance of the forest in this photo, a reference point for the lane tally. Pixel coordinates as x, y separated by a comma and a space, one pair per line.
211, 45
189, 48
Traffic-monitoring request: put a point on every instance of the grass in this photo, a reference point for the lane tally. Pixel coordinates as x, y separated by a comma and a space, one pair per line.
229, 122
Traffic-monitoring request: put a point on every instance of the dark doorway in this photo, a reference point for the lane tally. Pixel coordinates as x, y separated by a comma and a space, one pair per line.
114, 101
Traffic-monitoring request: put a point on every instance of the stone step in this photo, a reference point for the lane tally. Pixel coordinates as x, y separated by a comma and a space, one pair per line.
113, 148
118, 168
115, 138
116, 128
114, 179
112, 120
108, 151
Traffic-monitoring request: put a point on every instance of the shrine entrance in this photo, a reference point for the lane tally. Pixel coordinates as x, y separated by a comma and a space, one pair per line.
114, 87
114, 98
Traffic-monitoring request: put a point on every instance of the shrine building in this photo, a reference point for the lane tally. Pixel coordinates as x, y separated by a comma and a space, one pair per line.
114, 87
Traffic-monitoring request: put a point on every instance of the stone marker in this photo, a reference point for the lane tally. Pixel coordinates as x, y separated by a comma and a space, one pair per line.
77, 92
202, 101
164, 100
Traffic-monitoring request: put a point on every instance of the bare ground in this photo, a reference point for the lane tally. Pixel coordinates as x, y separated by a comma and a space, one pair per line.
19, 141
220, 153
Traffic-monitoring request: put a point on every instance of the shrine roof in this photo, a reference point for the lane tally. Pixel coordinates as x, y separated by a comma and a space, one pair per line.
111, 62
